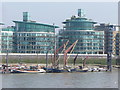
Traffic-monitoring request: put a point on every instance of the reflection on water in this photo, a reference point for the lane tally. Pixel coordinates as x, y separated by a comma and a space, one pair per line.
62, 80
0, 81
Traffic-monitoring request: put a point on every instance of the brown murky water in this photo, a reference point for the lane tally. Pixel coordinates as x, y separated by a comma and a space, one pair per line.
62, 80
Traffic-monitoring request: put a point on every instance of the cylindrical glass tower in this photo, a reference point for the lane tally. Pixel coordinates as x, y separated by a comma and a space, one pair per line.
80, 28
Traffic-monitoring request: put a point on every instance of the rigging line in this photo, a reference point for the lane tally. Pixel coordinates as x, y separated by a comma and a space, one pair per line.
65, 45
72, 50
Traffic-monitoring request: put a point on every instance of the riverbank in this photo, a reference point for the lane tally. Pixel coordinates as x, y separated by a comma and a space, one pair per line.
60, 65
99, 61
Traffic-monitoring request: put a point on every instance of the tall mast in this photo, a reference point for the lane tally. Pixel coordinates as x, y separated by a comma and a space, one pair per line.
57, 52
84, 61
7, 57
46, 60
75, 60
69, 49
54, 47
109, 61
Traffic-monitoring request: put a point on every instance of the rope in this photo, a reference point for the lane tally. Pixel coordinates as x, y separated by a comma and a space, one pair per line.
72, 50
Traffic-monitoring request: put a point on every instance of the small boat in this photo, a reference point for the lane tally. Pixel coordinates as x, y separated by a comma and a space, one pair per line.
50, 70
116, 66
28, 71
79, 70
97, 69
102, 69
56, 70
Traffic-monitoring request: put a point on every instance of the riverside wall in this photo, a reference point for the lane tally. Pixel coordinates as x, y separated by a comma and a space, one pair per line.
16, 56
41, 58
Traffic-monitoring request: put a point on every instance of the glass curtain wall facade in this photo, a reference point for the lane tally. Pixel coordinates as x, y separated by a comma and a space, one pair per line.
7, 39
89, 41
114, 42
0, 38
32, 37
80, 28
77, 23
108, 37
118, 43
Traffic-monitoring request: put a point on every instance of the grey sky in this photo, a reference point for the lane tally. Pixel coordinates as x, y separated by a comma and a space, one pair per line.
50, 12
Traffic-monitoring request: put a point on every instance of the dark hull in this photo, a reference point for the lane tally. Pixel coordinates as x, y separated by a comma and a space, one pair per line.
74, 70
50, 70
17, 71
56, 71
63, 70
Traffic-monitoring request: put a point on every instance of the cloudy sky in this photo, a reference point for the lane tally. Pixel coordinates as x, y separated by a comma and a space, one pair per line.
57, 12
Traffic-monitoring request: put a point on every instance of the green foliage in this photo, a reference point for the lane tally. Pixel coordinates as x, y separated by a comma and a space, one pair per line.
101, 61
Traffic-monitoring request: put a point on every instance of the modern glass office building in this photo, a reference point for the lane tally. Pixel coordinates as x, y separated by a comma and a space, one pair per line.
118, 43
28, 37
114, 42
0, 36
80, 28
108, 35
33, 37
7, 39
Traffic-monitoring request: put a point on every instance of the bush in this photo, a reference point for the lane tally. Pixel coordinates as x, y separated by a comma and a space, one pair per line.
101, 61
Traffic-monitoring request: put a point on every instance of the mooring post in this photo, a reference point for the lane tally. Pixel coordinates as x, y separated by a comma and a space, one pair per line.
109, 61
46, 60
7, 62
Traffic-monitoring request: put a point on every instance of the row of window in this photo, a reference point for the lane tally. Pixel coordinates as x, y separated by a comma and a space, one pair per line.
88, 48
89, 52
84, 37
7, 38
34, 34
43, 51
79, 25
35, 43
7, 34
82, 33
83, 41
9, 47
34, 27
88, 44
34, 47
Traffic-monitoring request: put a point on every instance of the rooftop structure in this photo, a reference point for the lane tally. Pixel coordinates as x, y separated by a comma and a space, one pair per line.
79, 22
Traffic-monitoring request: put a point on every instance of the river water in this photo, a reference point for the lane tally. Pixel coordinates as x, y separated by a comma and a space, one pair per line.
62, 80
